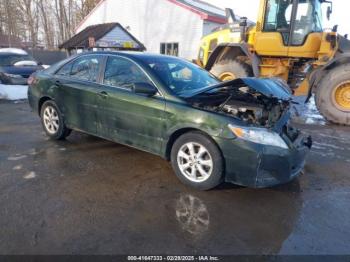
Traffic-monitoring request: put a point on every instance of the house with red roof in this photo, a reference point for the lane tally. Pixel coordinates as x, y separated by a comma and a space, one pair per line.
172, 27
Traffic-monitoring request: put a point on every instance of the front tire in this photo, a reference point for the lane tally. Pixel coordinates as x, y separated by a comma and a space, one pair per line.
53, 122
333, 95
197, 161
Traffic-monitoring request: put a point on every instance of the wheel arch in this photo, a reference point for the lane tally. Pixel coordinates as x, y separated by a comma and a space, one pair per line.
42, 100
337, 61
230, 51
179, 132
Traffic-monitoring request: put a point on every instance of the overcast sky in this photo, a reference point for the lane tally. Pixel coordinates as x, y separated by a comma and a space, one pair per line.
249, 8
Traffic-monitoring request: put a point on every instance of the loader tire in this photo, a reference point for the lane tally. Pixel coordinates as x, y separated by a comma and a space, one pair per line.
333, 95
231, 69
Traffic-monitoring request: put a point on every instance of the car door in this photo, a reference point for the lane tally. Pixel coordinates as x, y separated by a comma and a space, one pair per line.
78, 89
133, 119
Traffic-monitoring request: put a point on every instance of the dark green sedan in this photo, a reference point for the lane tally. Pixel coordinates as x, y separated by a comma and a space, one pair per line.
211, 131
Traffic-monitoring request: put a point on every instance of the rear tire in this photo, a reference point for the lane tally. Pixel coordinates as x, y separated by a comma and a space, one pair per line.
231, 69
200, 167
53, 121
333, 108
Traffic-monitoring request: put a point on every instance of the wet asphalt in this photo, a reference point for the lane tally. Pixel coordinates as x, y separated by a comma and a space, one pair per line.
86, 195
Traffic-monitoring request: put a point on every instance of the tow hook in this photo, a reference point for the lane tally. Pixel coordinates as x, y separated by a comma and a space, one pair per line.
308, 142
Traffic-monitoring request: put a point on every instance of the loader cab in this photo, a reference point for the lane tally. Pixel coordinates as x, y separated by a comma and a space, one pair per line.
291, 28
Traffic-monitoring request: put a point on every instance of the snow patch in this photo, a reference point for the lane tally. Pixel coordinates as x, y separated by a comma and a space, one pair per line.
13, 92
307, 113
15, 158
30, 175
19, 167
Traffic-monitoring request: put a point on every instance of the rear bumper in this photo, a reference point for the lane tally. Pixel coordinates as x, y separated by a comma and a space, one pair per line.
18, 81
260, 166
33, 101
13, 80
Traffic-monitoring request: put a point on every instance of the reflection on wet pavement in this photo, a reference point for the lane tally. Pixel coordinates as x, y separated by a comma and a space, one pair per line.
192, 214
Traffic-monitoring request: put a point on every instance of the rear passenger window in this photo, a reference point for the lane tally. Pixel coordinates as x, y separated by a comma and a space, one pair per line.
123, 73
86, 68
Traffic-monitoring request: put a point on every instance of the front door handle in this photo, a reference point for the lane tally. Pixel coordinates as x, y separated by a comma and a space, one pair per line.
103, 94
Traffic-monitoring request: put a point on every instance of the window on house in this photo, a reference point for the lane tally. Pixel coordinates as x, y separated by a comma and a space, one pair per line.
169, 49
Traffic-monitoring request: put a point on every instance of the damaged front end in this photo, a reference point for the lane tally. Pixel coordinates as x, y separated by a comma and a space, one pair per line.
265, 149
257, 102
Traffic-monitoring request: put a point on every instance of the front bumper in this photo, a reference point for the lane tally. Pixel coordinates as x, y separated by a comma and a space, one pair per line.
258, 166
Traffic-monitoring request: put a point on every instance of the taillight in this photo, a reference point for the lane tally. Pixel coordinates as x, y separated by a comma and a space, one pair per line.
31, 80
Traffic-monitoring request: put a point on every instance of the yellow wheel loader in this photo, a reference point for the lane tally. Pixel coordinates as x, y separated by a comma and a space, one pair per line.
288, 41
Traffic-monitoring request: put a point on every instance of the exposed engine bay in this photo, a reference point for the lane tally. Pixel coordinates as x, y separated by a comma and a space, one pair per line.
243, 102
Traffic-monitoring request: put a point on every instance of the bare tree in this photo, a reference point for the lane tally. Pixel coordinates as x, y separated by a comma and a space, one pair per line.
86, 7
45, 10
49, 21
29, 12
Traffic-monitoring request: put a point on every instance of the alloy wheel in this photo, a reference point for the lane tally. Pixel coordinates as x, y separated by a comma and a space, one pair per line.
195, 162
51, 120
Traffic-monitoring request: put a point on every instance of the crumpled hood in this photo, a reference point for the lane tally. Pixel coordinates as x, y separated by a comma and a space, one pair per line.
269, 87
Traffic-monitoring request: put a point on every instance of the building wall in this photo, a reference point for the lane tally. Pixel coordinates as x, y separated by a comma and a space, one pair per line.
152, 22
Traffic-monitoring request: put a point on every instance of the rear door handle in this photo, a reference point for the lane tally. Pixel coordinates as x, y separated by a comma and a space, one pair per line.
103, 94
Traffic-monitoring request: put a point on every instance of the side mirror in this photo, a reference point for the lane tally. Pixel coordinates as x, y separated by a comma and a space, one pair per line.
145, 89
329, 12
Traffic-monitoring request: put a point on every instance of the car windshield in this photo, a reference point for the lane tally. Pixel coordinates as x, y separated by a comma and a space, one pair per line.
11, 59
180, 76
